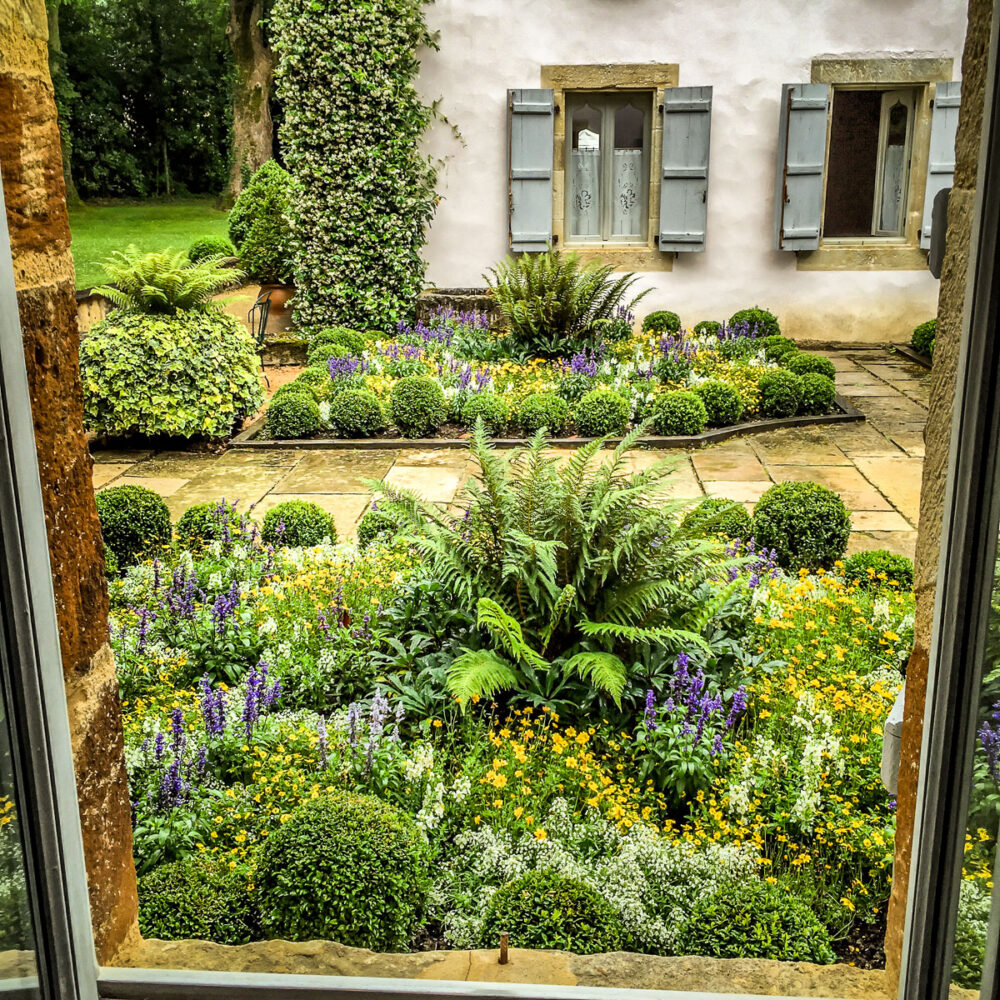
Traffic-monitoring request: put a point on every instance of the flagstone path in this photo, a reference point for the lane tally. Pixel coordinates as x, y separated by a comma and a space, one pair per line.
875, 466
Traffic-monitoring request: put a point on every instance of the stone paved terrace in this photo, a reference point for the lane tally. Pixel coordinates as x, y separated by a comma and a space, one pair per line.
875, 465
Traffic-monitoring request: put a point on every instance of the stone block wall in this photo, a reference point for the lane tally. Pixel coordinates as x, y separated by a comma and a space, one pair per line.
31, 166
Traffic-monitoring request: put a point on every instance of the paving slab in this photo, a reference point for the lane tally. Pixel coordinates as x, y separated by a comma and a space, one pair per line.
797, 445
866, 390
899, 479
104, 475
903, 543
841, 478
739, 490
909, 437
244, 487
454, 458
119, 456
437, 484
346, 508
731, 460
166, 486
335, 472
860, 439
263, 457
175, 465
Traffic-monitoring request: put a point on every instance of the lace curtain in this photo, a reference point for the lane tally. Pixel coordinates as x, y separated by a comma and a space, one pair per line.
627, 216
585, 193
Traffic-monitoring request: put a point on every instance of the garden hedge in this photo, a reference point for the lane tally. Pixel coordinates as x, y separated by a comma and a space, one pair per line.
806, 524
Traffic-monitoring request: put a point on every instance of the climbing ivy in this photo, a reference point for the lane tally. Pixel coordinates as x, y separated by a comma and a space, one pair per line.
351, 140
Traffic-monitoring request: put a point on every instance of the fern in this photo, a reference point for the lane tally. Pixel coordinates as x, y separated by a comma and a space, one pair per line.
491, 617
480, 674
604, 670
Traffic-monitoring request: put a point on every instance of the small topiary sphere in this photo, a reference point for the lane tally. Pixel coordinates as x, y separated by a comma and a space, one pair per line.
765, 322
806, 524
314, 375
297, 524
802, 364
819, 394
546, 910
375, 524
351, 339
717, 516
293, 388
601, 412
878, 568
198, 898
320, 354
293, 415
207, 522
417, 406
347, 868
754, 919
723, 403
924, 336
356, 413
490, 407
780, 393
680, 413
708, 328
543, 409
210, 246
661, 321
135, 522
776, 347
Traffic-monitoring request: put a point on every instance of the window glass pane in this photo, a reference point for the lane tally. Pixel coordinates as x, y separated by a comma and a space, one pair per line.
585, 173
853, 163
894, 168
628, 171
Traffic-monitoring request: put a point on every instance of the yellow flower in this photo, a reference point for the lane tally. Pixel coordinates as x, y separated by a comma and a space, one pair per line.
540, 834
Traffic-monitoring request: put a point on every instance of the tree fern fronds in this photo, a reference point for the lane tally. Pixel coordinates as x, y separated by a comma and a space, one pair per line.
479, 674
501, 626
604, 670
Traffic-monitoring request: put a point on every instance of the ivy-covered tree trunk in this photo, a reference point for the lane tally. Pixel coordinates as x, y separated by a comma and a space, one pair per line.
253, 132
64, 94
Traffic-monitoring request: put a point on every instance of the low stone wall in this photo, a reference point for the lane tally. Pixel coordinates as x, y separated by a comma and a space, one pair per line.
459, 299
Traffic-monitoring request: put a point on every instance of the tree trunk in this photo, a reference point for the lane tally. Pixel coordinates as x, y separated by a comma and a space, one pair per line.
63, 92
253, 132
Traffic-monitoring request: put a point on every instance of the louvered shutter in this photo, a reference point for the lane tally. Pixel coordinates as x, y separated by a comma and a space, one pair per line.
941, 159
798, 199
530, 123
687, 127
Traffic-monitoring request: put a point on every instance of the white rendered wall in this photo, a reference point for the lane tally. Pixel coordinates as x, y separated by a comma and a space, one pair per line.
745, 49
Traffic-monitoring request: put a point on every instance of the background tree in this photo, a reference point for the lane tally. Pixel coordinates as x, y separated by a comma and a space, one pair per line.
64, 95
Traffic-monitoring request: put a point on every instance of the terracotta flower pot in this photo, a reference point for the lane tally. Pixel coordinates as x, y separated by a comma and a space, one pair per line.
280, 294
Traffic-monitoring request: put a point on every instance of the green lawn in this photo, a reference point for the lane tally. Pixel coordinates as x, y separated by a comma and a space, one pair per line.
150, 225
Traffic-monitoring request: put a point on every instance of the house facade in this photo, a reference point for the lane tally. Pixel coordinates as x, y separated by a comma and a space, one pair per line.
782, 154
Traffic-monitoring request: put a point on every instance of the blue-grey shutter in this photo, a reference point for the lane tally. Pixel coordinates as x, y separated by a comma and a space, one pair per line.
530, 124
687, 127
798, 198
941, 157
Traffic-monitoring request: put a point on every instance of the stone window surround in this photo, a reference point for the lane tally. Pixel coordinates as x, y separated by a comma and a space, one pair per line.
883, 254
651, 78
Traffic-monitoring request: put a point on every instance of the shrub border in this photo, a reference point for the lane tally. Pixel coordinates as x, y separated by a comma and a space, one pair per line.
250, 436
908, 352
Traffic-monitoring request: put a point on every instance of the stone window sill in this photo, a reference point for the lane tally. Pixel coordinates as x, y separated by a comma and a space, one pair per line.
863, 256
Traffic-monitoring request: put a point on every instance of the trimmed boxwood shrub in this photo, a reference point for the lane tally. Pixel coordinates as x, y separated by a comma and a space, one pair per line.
293, 415
819, 394
258, 226
374, 524
356, 413
490, 407
294, 388
923, 338
866, 569
111, 568
776, 347
190, 374
543, 909
718, 516
135, 522
806, 524
600, 412
207, 522
347, 868
199, 898
755, 919
723, 403
780, 393
802, 364
661, 321
679, 413
765, 322
210, 246
319, 354
314, 375
297, 524
417, 406
351, 339
543, 409
708, 327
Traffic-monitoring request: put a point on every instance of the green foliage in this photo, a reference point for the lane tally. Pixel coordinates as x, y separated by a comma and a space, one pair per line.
806, 524
755, 919
356, 413
348, 868
923, 338
297, 524
803, 364
867, 569
819, 393
679, 413
543, 409
717, 516
615, 329
111, 568
374, 524
550, 301
971, 933
161, 282
355, 342
780, 393
765, 322
416, 404
776, 347
488, 407
198, 898
723, 403
314, 375
258, 225
294, 388
600, 412
206, 522
661, 321
293, 415
186, 375
543, 909
319, 354
210, 246
135, 522
708, 328
351, 137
